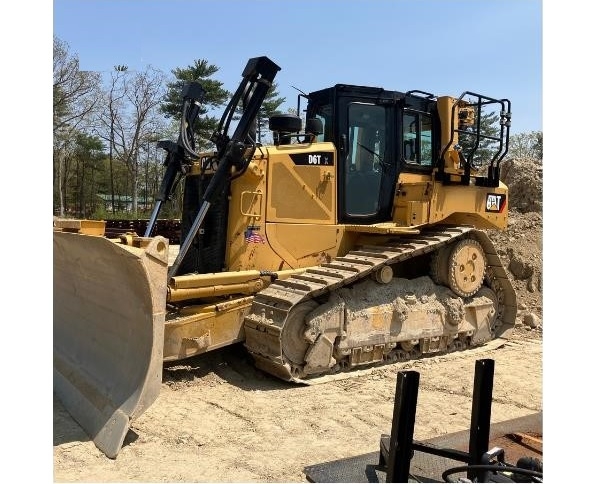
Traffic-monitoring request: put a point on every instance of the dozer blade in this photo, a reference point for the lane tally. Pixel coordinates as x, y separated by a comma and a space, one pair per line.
109, 314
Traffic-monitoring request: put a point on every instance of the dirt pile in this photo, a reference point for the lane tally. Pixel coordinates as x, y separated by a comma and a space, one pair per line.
520, 246
524, 179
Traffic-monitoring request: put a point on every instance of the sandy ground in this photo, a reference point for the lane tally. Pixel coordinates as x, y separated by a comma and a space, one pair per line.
218, 419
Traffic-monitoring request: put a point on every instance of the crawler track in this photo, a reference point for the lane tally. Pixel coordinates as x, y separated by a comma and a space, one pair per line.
271, 308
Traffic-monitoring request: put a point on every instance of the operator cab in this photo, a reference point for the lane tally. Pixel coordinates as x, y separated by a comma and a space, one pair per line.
378, 135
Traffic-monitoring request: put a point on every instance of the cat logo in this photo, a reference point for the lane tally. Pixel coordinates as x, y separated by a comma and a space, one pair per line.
495, 202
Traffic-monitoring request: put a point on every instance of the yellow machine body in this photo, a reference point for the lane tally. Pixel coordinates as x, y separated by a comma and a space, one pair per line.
307, 282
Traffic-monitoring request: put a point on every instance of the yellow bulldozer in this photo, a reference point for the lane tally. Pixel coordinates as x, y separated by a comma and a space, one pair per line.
356, 239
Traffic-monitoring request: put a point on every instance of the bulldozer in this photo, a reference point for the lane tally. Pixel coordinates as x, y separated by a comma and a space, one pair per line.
357, 237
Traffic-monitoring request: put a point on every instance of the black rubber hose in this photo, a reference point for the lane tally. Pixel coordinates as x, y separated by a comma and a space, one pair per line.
490, 467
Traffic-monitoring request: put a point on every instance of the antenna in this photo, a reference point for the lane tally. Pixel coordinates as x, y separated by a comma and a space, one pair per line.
300, 91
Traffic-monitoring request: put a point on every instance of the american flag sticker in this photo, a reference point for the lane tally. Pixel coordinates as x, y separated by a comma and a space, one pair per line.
251, 236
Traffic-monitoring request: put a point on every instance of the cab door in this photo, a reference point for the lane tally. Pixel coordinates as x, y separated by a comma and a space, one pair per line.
366, 174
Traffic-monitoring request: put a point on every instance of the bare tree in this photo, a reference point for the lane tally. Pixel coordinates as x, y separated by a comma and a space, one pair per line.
527, 145
75, 94
113, 106
132, 117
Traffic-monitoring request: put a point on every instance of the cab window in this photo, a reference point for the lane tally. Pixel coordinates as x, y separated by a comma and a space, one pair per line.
416, 139
366, 146
325, 114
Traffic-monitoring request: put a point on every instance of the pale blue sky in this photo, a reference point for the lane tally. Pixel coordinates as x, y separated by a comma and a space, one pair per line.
491, 47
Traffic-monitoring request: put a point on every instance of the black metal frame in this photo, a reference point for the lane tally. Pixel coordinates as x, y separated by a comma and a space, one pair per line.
397, 449
493, 173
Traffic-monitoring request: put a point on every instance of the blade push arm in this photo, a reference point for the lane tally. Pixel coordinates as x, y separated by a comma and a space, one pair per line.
238, 150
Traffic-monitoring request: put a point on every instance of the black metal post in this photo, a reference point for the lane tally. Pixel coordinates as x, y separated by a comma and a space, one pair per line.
481, 412
403, 426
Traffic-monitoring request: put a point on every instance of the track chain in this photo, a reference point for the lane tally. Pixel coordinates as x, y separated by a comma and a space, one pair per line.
271, 306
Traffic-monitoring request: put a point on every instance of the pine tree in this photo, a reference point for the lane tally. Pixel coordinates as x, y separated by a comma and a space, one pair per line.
482, 151
216, 96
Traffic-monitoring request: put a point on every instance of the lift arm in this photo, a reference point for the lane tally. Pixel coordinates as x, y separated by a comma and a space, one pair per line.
237, 151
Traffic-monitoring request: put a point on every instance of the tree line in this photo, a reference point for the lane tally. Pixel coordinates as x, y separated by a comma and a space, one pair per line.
106, 163
106, 127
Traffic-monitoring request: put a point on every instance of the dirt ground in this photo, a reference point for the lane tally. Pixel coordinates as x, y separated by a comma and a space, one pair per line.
218, 419
221, 420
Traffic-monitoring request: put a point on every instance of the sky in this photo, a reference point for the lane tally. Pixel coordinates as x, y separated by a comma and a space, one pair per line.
535, 57
489, 47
